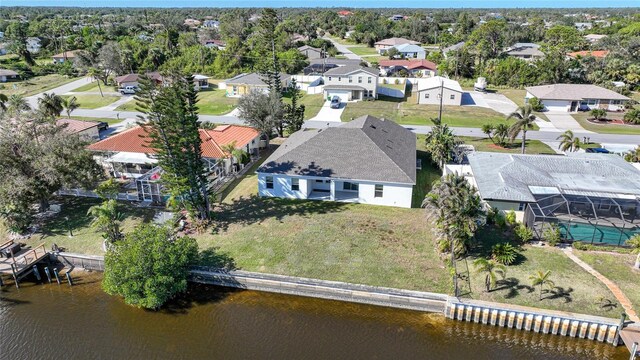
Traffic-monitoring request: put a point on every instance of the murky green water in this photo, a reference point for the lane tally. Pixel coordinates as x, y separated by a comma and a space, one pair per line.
81, 322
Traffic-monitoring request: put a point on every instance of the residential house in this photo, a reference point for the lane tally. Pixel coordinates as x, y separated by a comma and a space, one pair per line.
4, 48
128, 155
397, 17
211, 24
134, 79
242, 84
594, 38
410, 51
589, 197
452, 48
582, 26
415, 68
430, 91
8, 75
525, 51
367, 160
574, 97
200, 82
33, 45
192, 23
295, 37
383, 45
216, 44
87, 129
310, 52
344, 13
64, 56
351, 83
598, 54
319, 66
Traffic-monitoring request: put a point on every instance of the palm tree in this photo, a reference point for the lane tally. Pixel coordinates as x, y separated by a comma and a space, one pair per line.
50, 104
440, 143
17, 104
568, 142
107, 218
458, 209
69, 105
488, 129
500, 134
492, 269
541, 279
95, 75
634, 242
233, 154
633, 155
524, 121
3, 100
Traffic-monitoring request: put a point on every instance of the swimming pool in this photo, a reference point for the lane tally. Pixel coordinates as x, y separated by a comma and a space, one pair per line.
597, 234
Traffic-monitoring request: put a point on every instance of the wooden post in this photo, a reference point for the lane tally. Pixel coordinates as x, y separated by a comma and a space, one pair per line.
55, 272
623, 317
15, 276
634, 351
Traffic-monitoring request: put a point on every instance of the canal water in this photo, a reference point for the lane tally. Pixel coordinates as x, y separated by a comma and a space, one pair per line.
81, 322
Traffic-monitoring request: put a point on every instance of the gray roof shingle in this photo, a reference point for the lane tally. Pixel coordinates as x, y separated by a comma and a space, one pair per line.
254, 79
573, 92
366, 148
348, 69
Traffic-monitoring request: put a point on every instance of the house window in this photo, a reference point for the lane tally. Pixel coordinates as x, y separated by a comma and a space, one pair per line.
616, 102
359, 79
378, 191
350, 80
521, 206
592, 102
339, 78
319, 181
329, 78
269, 181
370, 93
452, 97
369, 80
349, 186
295, 184
426, 96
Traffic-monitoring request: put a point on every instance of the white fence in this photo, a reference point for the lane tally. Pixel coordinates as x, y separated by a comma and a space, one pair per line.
93, 194
390, 92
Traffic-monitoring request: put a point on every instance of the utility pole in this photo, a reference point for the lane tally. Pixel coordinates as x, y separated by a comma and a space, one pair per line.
441, 96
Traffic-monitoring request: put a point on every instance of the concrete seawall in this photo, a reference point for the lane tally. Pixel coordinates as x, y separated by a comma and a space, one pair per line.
495, 314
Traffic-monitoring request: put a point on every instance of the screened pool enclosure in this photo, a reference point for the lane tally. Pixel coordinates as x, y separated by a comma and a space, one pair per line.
590, 217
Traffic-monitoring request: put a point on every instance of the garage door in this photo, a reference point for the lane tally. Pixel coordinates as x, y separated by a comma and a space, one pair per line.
556, 105
343, 95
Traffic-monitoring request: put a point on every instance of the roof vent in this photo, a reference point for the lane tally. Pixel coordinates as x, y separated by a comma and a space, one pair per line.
373, 126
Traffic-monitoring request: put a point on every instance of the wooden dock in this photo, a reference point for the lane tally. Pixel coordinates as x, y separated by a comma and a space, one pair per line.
21, 263
630, 335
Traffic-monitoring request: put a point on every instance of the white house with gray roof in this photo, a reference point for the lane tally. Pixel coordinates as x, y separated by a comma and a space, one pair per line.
367, 160
242, 84
574, 97
351, 83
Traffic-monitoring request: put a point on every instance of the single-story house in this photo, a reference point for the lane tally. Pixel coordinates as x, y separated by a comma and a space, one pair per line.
367, 160
383, 45
431, 89
598, 54
87, 129
8, 75
211, 24
410, 51
593, 38
591, 197
127, 80
525, 51
64, 56
351, 83
216, 44
573, 97
242, 84
319, 66
452, 48
582, 26
420, 68
200, 82
310, 52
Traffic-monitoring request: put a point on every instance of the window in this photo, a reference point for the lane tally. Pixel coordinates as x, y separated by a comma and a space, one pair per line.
592, 102
339, 78
369, 80
521, 206
359, 79
616, 102
452, 97
269, 180
329, 78
370, 93
295, 184
379, 191
426, 96
349, 186
318, 180
350, 80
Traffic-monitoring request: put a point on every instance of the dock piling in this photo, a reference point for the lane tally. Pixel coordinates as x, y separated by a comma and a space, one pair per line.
55, 272
37, 273
634, 351
69, 280
46, 272
623, 317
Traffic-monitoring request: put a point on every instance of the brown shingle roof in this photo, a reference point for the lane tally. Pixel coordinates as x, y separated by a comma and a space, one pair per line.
76, 126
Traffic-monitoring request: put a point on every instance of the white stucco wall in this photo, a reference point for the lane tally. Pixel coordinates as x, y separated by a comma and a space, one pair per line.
505, 206
435, 92
344, 95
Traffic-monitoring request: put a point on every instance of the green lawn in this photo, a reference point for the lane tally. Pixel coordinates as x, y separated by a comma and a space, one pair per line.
606, 128
214, 102
93, 87
407, 112
533, 146
617, 268
35, 85
363, 50
312, 103
94, 101
128, 106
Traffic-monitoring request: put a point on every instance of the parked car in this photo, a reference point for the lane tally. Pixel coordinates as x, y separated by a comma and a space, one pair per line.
103, 125
598, 150
128, 90
335, 102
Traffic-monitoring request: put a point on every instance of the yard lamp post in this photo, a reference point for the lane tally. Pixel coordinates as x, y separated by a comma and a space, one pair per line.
66, 220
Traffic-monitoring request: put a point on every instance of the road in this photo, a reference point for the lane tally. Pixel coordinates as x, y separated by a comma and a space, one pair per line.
343, 49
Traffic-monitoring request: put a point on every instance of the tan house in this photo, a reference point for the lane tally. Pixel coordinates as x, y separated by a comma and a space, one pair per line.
310, 52
8, 75
242, 84
64, 56
86, 129
351, 83
430, 90
383, 45
575, 97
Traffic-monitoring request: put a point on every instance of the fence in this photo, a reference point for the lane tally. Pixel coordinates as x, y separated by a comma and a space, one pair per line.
93, 194
88, 262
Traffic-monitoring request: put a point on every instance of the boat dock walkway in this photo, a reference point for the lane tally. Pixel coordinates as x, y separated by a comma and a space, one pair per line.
20, 263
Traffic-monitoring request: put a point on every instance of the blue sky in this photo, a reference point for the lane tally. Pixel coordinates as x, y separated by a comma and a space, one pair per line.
329, 3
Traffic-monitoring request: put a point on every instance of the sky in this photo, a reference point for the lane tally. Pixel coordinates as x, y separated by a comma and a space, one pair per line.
330, 3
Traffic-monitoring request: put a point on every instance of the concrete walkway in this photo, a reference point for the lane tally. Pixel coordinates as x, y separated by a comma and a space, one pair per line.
343, 49
60, 90
114, 105
564, 121
620, 296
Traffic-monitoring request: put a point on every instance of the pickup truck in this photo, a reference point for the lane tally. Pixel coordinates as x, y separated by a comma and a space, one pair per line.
127, 90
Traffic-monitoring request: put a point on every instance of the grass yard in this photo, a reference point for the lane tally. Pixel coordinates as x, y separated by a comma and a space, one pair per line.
582, 117
517, 96
617, 268
312, 103
34, 85
406, 112
93, 87
128, 106
533, 146
363, 50
109, 121
93, 101
214, 102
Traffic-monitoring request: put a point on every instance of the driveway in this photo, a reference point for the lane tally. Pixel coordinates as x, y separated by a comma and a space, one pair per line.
564, 121
343, 49
494, 101
327, 114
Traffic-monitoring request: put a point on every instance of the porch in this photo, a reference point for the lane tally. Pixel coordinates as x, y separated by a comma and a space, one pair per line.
324, 189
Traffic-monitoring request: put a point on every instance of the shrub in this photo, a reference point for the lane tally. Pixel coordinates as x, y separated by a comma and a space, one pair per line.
599, 114
632, 117
552, 235
510, 217
536, 104
504, 253
492, 214
500, 220
579, 245
524, 233
397, 82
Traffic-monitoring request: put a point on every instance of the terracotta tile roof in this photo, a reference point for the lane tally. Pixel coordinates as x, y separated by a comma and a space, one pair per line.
409, 64
597, 53
136, 140
76, 126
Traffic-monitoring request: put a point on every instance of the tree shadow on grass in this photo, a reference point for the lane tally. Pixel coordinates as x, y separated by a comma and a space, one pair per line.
512, 287
255, 209
559, 292
213, 258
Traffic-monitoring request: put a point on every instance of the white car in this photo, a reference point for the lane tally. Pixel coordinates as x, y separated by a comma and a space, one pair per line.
127, 90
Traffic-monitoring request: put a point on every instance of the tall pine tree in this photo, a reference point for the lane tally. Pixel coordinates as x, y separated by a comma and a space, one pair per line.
171, 122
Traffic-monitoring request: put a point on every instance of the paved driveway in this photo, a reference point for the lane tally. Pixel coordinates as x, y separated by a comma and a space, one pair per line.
343, 49
495, 101
327, 114
564, 121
